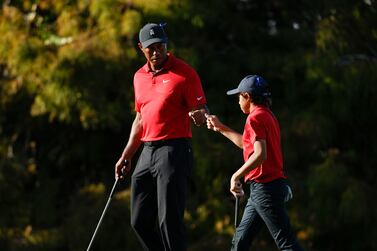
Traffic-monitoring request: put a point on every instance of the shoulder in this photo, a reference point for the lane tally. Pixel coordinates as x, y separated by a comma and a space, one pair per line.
181, 65
266, 117
260, 115
141, 74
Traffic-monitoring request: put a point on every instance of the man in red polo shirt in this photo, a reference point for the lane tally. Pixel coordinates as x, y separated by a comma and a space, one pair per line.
168, 92
263, 168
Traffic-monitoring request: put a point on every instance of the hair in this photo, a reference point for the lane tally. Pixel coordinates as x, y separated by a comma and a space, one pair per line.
259, 100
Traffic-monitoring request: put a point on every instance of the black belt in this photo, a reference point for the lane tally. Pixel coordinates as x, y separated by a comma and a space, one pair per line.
164, 141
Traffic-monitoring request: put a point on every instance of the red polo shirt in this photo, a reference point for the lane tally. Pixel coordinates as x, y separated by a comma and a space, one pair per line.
262, 124
164, 99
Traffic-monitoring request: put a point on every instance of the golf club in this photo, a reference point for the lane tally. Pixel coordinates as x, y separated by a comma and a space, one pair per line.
117, 179
237, 203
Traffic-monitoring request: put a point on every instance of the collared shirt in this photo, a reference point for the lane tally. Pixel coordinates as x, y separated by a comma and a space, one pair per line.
261, 124
164, 99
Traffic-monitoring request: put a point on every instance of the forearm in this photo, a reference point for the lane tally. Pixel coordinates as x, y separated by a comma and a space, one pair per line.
214, 123
232, 135
255, 159
134, 140
203, 108
250, 164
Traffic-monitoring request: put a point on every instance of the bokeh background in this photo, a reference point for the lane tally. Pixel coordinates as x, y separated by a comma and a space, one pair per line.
66, 108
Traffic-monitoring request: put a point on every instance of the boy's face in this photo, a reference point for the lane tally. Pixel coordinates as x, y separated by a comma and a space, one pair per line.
244, 100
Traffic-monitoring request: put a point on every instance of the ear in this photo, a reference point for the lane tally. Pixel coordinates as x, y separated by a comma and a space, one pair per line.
247, 96
140, 46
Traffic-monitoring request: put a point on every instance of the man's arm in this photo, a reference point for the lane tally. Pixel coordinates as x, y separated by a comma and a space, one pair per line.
133, 144
213, 123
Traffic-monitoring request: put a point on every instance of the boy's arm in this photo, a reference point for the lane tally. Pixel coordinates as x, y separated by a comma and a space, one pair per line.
213, 123
255, 159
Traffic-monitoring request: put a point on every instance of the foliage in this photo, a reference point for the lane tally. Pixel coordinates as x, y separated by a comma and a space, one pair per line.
66, 108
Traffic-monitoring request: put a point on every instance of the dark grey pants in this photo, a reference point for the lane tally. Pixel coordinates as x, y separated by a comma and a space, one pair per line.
265, 206
159, 190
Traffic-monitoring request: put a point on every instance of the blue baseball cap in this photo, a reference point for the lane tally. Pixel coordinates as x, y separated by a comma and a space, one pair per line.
152, 33
252, 84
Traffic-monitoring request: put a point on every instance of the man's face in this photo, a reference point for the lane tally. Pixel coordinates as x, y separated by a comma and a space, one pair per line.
155, 54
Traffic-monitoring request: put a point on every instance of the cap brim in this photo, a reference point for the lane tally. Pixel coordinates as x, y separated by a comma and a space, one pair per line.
232, 92
147, 43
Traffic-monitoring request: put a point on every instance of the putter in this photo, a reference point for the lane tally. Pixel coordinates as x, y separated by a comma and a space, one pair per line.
237, 203
106, 206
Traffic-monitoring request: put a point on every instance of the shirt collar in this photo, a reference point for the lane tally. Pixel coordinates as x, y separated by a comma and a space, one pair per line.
258, 107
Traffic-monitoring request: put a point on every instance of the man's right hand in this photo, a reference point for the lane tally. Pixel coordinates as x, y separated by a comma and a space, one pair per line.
122, 167
198, 116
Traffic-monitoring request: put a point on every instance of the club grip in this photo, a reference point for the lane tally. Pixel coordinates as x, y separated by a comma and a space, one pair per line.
123, 170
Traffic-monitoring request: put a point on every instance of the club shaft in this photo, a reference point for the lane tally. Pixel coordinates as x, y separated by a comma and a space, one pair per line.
103, 213
236, 211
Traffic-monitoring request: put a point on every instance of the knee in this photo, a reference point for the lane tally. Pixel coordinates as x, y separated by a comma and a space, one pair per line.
137, 223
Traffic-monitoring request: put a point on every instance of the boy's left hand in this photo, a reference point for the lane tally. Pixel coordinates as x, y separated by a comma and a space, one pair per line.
236, 187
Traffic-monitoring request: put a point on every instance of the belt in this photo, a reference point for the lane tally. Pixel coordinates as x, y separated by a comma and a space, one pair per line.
164, 141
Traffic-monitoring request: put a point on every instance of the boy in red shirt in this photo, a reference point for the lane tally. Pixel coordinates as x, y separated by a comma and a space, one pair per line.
263, 167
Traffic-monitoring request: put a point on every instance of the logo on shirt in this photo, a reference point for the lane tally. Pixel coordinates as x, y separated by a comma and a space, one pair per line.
164, 81
199, 98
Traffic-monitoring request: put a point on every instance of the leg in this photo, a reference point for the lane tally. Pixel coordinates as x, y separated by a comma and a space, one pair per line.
250, 225
144, 205
173, 168
270, 207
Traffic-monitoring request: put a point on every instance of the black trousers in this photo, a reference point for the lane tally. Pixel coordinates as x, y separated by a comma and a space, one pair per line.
265, 206
158, 194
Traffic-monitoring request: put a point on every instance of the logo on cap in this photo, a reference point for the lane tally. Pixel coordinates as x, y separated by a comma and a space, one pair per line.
258, 82
151, 32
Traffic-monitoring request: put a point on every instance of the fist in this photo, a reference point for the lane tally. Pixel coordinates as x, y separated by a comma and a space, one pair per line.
198, 117
213, 123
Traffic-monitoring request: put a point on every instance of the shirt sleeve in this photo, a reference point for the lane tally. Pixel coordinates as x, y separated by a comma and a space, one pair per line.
194, 95
258, 127
137, 107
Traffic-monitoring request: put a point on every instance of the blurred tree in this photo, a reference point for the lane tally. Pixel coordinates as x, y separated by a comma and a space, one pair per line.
66, 106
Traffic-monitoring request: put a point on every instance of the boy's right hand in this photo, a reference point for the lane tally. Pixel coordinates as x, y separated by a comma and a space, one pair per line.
213, 123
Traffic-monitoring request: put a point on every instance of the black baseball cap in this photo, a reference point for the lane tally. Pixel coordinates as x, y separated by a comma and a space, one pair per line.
152, 33
252, 84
